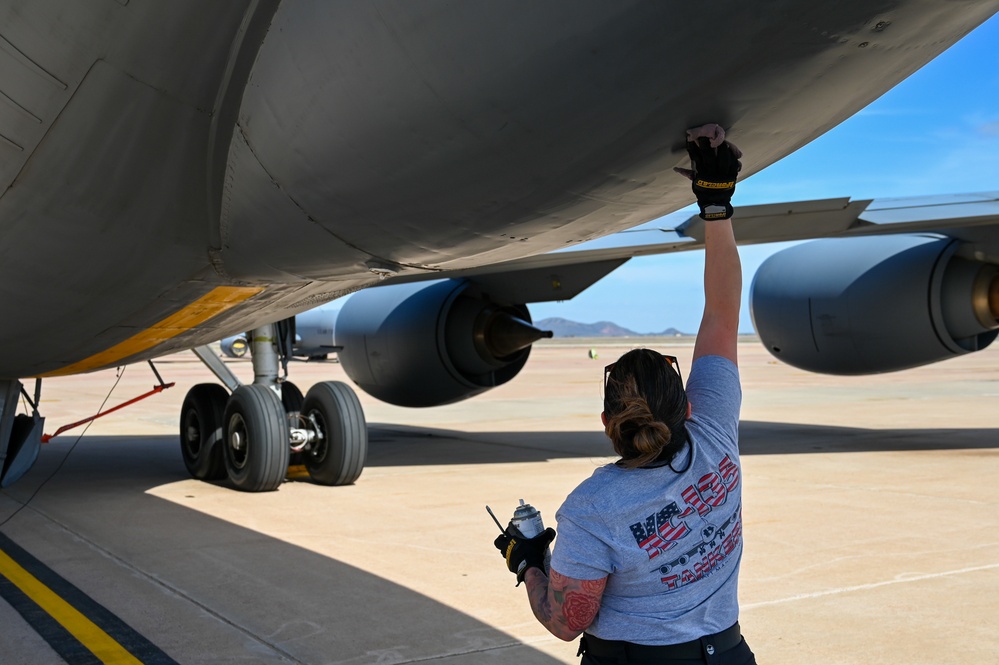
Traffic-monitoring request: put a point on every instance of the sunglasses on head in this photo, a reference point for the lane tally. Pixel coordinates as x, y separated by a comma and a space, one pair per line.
669, 360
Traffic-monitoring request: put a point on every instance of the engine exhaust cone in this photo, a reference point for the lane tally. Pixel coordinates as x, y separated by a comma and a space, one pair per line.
506, 334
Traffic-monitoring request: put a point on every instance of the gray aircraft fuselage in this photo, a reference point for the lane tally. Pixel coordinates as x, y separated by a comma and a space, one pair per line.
175, 172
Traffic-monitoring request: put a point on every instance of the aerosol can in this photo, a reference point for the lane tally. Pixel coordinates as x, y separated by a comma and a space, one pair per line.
527, 522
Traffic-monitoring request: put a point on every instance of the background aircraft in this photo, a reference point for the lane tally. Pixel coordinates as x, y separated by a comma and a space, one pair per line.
189, 171
310, 335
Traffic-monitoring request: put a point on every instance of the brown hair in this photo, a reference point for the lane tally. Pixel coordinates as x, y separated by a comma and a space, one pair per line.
646, 408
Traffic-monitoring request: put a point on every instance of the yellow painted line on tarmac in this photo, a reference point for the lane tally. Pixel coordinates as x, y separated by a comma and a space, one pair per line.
83, 629
213, 303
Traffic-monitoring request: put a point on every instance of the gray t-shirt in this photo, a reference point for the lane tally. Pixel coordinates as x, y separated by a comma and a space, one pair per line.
670, 542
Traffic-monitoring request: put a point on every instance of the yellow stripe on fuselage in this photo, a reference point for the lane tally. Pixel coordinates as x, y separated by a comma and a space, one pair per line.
211, 304
79, 626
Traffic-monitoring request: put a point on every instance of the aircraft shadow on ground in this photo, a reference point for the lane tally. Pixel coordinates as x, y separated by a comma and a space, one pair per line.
414, 446
405, 445
763, 438
298, 602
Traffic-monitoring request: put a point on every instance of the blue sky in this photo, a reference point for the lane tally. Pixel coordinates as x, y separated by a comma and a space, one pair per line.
937, 132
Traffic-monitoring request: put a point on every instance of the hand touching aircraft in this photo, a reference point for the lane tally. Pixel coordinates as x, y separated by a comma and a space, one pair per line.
175, 173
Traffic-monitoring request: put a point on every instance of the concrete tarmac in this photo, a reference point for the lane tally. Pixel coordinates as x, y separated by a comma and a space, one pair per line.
869, 519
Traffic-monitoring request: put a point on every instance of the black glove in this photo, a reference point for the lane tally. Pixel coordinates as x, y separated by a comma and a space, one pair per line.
522, 553
713, 177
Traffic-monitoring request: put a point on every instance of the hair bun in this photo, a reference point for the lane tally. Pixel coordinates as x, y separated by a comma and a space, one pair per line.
651, 437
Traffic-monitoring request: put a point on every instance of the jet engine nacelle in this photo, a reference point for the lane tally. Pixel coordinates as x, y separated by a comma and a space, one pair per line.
874, 304
425, 345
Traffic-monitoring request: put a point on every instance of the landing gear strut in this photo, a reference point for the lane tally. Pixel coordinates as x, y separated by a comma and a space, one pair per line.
20, 434
250, 434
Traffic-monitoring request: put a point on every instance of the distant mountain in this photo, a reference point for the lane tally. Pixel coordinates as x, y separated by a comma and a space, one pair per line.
565, 328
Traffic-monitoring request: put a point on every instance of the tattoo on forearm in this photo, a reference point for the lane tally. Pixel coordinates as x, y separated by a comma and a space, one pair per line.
564, 605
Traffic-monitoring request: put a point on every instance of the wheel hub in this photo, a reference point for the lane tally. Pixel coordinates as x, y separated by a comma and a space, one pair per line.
317, 447
192, 440
238, 441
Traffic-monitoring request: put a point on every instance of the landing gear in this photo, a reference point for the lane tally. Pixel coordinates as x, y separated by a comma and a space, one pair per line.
337, 454
256, 439
20, 434
251, 435
292, 401
201, 431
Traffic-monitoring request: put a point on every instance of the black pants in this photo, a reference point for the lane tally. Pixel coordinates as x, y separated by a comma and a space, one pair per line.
698, 652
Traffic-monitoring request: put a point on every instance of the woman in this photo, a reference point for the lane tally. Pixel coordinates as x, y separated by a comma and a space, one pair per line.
648, 553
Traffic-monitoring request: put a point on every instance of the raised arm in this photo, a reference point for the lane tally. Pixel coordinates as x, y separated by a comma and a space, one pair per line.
714, 169
719, 329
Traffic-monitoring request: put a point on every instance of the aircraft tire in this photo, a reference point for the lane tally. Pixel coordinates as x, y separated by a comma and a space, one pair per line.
338, 458
201, 423
256, 439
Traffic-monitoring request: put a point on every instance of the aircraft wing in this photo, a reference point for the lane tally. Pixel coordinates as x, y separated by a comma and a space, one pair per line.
957, 215
883, 285
563, 274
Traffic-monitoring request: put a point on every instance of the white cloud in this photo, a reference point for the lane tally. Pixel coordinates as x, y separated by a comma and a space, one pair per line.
989, 128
